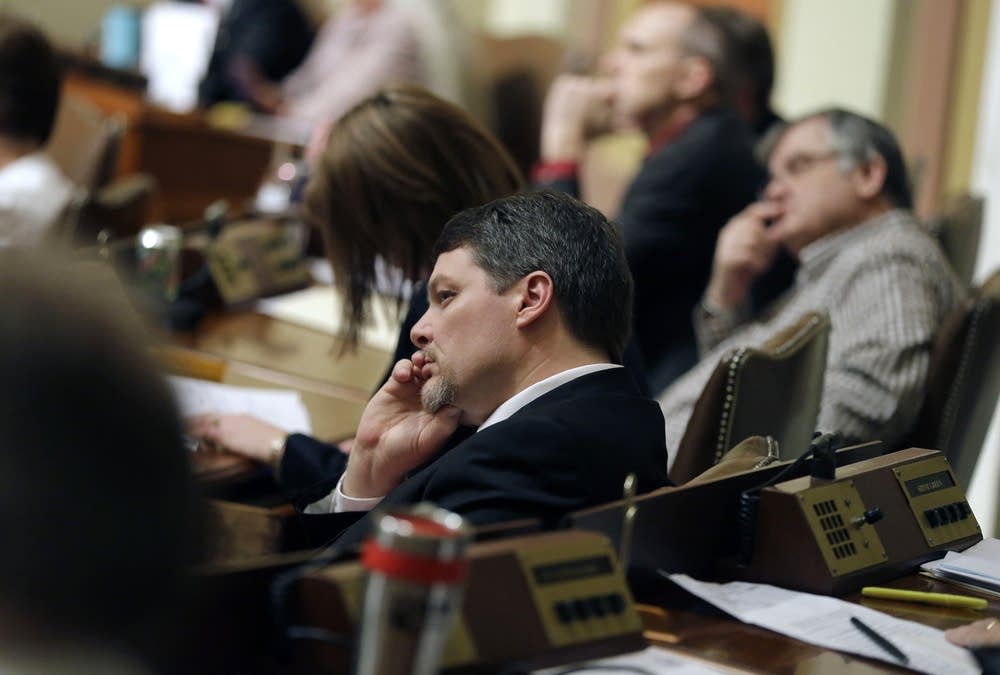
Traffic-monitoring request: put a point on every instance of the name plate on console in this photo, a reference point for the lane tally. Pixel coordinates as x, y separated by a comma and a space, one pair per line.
251, 260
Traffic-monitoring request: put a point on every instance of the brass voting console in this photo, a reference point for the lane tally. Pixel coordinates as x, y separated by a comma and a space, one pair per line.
536, 600
876, 520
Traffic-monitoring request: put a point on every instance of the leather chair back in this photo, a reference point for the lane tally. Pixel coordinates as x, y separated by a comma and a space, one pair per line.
85, 142
771, 391
958, 230
964, 381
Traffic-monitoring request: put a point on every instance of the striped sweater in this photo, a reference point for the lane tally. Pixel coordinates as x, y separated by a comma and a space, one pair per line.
887, 288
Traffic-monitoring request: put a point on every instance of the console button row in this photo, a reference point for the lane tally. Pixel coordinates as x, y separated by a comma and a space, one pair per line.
597, 606
949, 513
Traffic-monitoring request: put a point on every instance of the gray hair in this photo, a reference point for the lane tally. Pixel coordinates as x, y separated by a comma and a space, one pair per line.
708, 37
858, 140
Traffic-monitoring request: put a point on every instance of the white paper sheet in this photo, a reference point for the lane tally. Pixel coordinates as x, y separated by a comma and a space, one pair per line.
320, 307
826, 621
389, 281
649, 660
978, 565
280, 407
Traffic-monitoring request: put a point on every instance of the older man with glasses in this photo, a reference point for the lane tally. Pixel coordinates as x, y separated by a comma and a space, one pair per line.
838, 200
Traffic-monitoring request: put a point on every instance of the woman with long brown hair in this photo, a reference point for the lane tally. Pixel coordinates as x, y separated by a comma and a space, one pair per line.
395, 169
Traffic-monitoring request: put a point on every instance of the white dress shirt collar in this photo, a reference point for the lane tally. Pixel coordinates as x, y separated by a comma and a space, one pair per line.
529, 394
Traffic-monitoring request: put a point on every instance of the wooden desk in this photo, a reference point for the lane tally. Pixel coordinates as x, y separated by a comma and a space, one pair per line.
282, 347
689, 626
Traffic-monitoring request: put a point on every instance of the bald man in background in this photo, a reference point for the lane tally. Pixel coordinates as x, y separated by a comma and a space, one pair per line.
672, 78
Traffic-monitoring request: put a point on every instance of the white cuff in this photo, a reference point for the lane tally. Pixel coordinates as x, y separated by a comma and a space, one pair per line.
337, 502
342, 502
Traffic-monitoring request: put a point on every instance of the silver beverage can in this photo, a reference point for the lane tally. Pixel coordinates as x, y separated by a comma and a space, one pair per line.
416, 562
157, 254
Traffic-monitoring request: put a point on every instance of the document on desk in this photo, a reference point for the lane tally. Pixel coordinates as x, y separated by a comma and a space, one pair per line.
826, 622
977, 566
280, 407
320, 308
648, 660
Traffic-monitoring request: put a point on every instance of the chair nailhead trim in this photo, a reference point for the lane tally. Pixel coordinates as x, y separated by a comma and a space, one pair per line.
727, 406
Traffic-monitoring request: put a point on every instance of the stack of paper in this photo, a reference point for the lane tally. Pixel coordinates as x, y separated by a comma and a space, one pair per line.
826, 621
281, 407
978, 566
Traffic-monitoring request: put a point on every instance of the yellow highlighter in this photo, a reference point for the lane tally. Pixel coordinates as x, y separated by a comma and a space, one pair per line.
941, 599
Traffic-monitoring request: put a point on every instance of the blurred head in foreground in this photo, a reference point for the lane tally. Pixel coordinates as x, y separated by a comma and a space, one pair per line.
97, 504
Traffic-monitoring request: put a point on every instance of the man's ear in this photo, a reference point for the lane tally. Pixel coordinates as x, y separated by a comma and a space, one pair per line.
536, 295
695, 78
869, 178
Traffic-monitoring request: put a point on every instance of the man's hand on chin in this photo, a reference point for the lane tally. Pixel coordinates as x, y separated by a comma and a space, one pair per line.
577, 108
745, 249
395, 434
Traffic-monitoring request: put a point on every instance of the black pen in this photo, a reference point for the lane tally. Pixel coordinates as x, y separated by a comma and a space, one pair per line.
879, 640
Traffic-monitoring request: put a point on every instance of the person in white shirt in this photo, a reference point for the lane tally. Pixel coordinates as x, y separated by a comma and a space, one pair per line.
368, 44
34, 193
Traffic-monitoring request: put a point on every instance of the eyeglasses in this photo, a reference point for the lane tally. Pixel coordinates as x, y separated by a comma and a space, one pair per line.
797, 165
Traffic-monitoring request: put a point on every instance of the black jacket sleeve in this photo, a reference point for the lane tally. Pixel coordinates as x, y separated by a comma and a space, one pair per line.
308, 461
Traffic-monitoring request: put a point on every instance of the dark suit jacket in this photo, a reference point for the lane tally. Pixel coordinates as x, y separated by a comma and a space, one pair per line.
566, 450
670, 217
308, 461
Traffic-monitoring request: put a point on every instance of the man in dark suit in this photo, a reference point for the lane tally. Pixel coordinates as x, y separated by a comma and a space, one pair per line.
671, 78
530, 300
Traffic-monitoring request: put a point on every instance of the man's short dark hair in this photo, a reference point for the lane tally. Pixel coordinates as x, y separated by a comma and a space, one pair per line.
30, 77
572, 242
